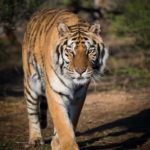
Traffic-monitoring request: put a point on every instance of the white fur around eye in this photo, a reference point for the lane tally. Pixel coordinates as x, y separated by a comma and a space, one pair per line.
87, 45
69, 42
92, 50
104, 60
66, 57
71, 45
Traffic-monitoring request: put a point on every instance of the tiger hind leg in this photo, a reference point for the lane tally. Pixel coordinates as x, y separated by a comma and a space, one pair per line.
32, 95
35, 136
43, 112
33, 89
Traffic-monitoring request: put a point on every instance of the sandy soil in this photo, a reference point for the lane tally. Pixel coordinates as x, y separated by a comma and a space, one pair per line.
111, 120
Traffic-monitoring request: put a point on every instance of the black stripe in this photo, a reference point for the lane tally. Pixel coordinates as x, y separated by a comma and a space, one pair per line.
74, 39
36, 122
43, 102
82, 33
75, 34
96, 63
53, 20
31, 114
61, 94
94, 42
65, 95
50, 22
58, 53
59, 78
61, 54
45, 16
103, 51
40, 33
34, 36
65, 42
98, 49
28, 61
36, 68
34, 109
85, 38
31, 102
28, 92
34, 75
43, 97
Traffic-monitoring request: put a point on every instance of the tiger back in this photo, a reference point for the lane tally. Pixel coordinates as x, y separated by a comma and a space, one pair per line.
61, 54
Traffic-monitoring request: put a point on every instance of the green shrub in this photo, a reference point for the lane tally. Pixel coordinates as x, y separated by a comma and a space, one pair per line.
135, 21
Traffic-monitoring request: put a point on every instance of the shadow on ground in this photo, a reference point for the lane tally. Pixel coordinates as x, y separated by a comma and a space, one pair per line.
138, 123
11, 82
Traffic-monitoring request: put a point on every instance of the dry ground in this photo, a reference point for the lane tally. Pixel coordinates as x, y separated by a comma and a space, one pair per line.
112, 120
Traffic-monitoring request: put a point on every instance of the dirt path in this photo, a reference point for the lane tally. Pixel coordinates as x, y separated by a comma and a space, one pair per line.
112, 120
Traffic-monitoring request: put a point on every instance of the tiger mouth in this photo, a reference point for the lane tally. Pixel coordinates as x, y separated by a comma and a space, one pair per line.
81, 80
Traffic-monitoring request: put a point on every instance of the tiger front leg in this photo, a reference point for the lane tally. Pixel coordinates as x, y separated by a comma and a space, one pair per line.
55, 144
65, 136
74, 108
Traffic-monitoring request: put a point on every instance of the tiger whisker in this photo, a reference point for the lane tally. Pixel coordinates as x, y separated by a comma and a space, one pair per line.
95, 84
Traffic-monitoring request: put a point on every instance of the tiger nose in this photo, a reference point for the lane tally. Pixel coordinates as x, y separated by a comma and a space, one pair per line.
80, 70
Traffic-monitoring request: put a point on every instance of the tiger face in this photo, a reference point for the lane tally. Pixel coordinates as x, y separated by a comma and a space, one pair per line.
81, 54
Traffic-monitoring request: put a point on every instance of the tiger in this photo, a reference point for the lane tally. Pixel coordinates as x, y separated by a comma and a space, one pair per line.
61, 54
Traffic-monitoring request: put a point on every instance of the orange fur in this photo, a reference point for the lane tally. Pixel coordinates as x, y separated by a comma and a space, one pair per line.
43, 34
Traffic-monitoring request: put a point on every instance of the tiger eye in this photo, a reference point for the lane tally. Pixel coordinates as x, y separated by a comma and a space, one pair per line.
91, 49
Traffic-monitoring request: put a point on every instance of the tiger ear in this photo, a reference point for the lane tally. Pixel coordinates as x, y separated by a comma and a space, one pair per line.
95, 28
62, 29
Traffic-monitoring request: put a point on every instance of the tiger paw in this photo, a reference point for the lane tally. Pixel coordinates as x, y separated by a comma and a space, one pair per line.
55, 144
35, 142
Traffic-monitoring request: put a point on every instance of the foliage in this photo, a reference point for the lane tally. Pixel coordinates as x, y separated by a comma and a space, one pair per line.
132, 77
134, 21
80, 3
118, 25
134, 72
11, 11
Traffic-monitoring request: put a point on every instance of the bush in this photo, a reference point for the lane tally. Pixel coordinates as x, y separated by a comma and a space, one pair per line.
135, 21
12, 11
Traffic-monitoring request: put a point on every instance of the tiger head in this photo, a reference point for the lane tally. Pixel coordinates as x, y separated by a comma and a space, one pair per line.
80, 53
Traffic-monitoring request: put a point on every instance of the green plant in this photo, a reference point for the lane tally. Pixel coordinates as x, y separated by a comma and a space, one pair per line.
135, 21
